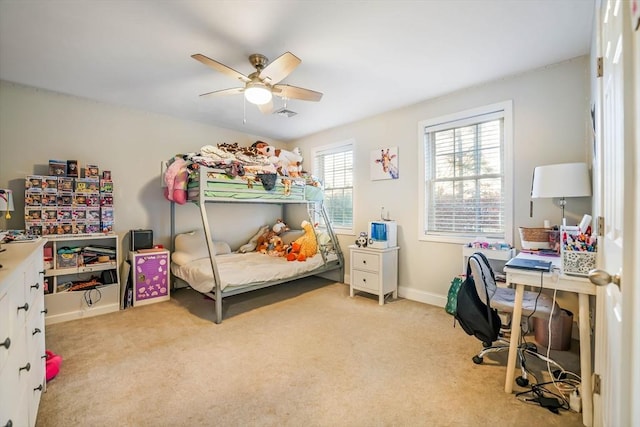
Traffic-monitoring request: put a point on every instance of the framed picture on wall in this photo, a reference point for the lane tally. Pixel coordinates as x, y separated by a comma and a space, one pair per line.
384, 163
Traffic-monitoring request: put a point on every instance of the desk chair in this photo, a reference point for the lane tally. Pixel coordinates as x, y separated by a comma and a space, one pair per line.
534, 304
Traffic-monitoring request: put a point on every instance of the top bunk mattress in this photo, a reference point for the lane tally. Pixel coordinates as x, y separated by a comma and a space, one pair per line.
238, 270
214, 184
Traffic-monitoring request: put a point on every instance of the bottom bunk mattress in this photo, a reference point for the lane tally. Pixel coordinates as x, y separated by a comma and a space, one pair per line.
238, 270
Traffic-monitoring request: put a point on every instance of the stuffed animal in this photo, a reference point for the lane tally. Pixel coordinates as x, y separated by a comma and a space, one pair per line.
176, 177
361, 241
304, 246
288, 163
276, 247
252, 244
280, 227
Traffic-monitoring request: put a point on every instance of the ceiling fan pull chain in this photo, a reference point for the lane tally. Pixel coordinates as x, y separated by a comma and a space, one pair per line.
244, 111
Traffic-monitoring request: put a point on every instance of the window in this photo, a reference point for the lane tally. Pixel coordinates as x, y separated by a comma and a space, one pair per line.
466, 178
333, 164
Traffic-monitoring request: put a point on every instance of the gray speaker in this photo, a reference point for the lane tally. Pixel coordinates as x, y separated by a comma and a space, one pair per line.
141, 239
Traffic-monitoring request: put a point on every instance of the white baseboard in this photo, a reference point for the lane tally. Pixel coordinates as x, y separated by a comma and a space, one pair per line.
422, 296
79, 314
414, 294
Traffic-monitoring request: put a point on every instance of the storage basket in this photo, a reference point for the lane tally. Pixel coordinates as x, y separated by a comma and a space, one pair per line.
66, 260
534, 238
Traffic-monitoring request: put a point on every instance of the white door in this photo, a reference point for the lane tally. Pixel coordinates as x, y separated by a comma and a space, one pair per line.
615, 172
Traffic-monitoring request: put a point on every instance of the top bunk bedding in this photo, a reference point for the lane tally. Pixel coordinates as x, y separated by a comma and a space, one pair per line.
227, 172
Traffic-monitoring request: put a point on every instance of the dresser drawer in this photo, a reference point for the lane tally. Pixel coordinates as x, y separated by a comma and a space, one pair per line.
365, 280
365, 261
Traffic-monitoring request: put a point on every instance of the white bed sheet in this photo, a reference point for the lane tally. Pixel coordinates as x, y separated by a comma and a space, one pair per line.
237, 270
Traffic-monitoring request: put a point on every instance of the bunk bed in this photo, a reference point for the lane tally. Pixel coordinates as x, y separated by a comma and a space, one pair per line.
211, 267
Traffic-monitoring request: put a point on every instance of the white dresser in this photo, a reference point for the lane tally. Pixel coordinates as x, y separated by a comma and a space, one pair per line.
374, 271
22, 345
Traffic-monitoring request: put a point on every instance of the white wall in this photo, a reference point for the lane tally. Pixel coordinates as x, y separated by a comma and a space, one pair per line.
551, 125
551, 122
37, 125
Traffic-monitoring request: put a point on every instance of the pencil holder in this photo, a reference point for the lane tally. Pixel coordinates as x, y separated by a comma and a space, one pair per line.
578, 252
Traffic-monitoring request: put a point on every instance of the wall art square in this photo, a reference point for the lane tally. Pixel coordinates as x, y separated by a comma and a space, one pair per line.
384, 163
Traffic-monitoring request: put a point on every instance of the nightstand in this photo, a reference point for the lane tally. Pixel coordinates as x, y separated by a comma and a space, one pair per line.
374, 271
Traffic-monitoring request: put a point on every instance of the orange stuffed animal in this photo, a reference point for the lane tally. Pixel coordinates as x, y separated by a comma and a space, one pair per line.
304, 246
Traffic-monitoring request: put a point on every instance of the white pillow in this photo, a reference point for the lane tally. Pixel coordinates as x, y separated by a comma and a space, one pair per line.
290, 236
192, 245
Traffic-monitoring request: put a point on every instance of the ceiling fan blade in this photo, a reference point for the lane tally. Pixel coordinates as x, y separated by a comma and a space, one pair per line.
220, 67
266, 108
280, 68
230, 91
293, 92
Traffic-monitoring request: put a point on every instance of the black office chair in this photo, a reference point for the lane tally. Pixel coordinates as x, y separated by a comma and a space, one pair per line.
534, 304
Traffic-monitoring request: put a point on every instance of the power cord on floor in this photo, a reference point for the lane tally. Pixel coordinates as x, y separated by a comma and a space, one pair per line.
566, 383
546, 398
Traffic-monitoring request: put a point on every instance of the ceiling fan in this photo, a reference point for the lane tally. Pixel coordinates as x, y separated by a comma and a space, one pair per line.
260, 86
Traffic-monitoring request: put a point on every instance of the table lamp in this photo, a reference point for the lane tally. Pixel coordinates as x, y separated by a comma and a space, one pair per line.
6, 202
561, 180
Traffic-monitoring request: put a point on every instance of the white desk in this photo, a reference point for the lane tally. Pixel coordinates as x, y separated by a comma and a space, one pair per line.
579, 285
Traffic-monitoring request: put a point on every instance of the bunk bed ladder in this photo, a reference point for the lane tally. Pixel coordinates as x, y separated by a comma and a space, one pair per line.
212, 257
318, 208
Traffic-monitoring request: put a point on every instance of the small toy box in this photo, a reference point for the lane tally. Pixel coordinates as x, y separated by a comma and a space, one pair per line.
67, 260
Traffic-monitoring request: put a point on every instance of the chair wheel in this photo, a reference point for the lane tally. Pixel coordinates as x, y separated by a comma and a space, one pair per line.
477, 360
486, 344
522, 382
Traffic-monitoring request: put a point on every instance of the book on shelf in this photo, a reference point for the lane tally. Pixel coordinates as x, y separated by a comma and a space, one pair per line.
101, 249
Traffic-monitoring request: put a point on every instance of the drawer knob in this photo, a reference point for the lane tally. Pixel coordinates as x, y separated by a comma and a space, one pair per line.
26, 367
45, 311
36, 286
24, 307
39, 388
6, 344
364, 261
36, 331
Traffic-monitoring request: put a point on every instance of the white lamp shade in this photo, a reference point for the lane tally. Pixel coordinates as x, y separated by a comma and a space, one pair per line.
561, 180
6, 200
257, 93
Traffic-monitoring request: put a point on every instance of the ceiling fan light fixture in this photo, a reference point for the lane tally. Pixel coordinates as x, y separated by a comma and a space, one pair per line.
257, 93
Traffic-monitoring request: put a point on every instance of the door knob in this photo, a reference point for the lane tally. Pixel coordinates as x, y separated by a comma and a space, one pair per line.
602, 278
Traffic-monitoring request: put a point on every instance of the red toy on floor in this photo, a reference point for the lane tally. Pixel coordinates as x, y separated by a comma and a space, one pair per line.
52, 365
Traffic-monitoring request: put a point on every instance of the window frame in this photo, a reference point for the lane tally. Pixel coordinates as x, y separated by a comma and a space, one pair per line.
460, 119
340, 146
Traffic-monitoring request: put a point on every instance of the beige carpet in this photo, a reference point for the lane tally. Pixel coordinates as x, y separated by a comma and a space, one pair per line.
302, 354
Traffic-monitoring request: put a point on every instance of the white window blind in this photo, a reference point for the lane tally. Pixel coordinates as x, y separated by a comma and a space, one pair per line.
334, 166
464, 177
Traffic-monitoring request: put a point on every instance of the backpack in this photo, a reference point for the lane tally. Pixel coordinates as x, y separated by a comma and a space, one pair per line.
475, 317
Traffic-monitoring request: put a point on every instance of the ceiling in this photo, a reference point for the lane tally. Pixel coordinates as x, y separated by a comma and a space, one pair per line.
367, 57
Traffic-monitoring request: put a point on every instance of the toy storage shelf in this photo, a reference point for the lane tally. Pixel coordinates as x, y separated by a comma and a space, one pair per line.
62, 304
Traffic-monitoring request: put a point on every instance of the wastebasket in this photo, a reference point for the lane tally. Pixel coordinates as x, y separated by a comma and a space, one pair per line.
561, 325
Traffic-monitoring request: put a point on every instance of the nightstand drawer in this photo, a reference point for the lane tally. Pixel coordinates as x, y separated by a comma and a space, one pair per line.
365, 280
365, 261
